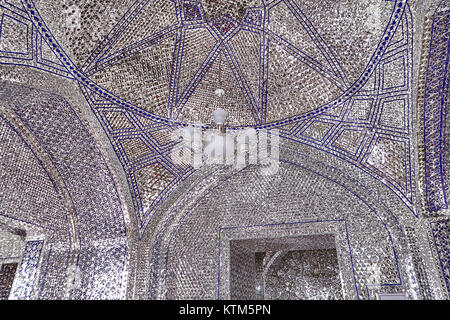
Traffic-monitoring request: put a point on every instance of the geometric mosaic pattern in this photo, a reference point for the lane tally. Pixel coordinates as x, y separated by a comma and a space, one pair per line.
371, 128
441, 236
61, 167
436, 108
388, 94
7, 273
151, 67
362, 120
26, 277
34, 51
144, 152
190, 254
84, 23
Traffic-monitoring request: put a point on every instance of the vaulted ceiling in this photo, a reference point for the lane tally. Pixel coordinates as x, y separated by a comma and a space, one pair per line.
334, 75
275, 60
339, 79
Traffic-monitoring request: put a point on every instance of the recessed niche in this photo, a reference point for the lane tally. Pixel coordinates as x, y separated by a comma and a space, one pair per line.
289, 268
11, 249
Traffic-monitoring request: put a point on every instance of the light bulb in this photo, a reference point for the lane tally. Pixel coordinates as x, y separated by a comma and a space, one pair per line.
220, 115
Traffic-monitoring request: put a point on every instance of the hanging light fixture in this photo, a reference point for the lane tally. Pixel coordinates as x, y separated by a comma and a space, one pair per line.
220, 114
219, 146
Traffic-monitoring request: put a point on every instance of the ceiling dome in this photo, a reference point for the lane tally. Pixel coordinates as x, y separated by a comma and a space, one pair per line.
274, 62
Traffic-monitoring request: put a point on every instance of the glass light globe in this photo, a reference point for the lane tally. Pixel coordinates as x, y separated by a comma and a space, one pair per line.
220, 115
219, 148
